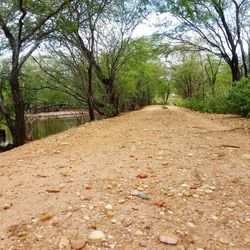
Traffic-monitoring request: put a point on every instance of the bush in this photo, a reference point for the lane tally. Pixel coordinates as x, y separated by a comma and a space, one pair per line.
238, 100
209, 104
109, 111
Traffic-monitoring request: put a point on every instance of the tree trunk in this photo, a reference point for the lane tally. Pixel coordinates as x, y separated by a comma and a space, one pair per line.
19, 133
235, 71
91, 111
90, 94
243, 59
113, 100
248, 56
238, 26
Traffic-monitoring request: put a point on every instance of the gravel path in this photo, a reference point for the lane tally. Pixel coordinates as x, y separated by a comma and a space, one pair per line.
150, 179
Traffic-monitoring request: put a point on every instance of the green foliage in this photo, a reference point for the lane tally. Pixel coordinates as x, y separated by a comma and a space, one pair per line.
208, 105
163, 91
224, 78
235, 100
143, 81
188, 78
215, 82
5, 91
38, 89
239, 98
109, 110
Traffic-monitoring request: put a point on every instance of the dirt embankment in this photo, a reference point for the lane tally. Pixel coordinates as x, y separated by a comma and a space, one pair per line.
169, 173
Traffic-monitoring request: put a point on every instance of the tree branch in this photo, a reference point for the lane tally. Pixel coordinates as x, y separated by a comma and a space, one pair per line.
42, 23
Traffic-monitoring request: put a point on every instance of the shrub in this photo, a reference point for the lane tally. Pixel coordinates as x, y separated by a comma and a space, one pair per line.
209, 104
238, 100
109, 110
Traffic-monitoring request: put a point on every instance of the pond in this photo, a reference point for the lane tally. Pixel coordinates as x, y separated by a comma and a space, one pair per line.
45, 127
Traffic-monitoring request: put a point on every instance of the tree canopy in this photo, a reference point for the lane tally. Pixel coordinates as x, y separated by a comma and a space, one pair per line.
215, 26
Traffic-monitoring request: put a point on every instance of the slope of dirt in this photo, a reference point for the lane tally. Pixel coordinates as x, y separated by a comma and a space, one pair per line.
54, 191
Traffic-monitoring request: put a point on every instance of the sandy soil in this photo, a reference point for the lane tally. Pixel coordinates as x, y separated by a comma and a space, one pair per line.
196, 168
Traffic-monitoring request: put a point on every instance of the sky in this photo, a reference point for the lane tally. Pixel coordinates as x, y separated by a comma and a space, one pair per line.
149, 26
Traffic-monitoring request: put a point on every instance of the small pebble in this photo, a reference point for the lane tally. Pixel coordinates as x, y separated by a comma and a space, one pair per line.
108, 207
64, 242
78, 244
96, 235
190, 224
159, 203
85, 198
213, 217
114, 221
121, 201
168, 239
187, 194
88, 187
224, 240
6, 206
231, 204
55, 221
46, 216
127, 222
53, 190
86, 217
139, 233
142, 175
140, 194
38, 236
110, 213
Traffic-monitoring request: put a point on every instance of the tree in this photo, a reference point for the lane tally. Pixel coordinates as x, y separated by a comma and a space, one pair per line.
143, 78
188, 77
211, 69
40, 91
217, 25
25, 24
103, 48
65, 72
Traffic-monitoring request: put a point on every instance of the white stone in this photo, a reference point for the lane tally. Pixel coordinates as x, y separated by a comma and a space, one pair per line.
108, 207
139, 233
86, 218
190, 224
96, 235
231, 204
63, 243
168, 239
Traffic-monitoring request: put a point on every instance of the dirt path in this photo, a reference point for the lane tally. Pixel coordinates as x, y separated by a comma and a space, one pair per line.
54, 191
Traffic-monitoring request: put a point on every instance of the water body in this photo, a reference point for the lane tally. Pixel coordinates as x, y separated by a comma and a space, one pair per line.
45, 127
